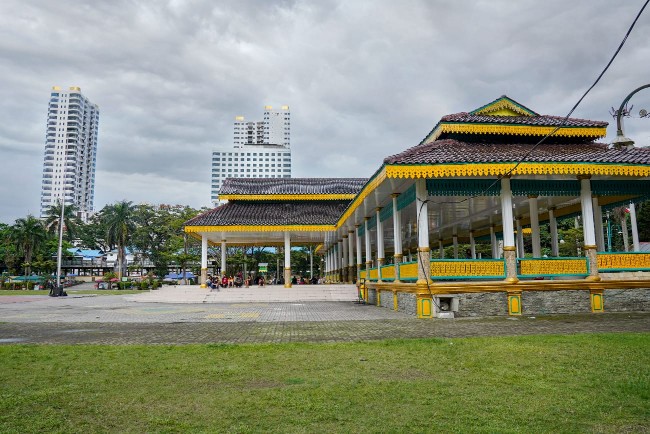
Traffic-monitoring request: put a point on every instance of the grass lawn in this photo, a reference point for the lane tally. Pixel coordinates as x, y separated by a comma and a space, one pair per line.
531, 384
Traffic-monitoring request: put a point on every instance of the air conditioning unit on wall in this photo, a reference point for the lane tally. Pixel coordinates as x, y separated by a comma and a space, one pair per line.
444, 306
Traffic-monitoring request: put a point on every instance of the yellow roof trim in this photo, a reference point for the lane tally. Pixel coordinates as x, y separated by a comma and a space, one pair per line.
515, 130
496, 169
287, 196
259, 228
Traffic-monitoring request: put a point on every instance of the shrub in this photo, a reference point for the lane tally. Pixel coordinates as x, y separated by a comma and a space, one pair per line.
144, 285
155, 284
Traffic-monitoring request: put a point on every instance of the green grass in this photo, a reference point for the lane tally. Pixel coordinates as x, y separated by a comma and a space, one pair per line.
581, 383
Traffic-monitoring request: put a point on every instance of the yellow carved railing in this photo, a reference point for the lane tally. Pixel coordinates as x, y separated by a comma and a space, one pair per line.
373, 274
408, 271
553, 267
388, 272
623, 261
469, 269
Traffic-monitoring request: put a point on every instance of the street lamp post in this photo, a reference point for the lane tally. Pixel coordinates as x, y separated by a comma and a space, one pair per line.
621, 141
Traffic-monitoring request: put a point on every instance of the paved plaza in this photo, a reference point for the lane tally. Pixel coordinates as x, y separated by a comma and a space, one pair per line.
188, 315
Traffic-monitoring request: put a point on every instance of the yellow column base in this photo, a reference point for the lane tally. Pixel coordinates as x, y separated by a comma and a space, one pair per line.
424, 306
514, 303
597, 301
287, 277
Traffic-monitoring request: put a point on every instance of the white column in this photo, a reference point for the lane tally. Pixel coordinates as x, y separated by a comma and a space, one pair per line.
598, 225
358, 239
493, 242
534, 226
506, 213
367, 240
455, 241
636, 247
350, 248
397, 229
422, 213
337, 256
588, 229
626, 241
287, 260
472, 244
587, 206
223, 257
380, 239
343, 253
204, 260
421, 196
509, 253
441, 249
552, 221
520, 240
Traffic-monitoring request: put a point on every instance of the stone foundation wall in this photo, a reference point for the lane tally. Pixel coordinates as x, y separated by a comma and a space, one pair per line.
372, 296
482, 304
407, 303
554, 302
386, 299
626, 300
533, 302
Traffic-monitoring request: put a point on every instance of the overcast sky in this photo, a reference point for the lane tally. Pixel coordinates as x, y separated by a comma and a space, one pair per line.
363, 79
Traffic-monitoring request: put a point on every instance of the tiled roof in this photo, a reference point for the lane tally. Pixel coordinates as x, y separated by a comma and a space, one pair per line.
541, 120
262, 186
272, 213
453, 151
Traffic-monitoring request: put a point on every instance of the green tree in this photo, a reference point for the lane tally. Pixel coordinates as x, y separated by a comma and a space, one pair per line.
28, 234
71, 221
119, 223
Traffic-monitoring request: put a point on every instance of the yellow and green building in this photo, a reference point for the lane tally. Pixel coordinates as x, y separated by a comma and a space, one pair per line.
489, 176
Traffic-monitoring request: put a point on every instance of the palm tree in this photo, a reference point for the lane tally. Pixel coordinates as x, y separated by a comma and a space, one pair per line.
120, 225
28, 233
71, 221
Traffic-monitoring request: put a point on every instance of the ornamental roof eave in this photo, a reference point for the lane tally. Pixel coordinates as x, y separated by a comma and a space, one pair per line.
252, 215
290, 188
506, 125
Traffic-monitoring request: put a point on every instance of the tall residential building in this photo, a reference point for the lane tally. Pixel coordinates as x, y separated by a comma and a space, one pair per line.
70, 151
261, 149
274, 129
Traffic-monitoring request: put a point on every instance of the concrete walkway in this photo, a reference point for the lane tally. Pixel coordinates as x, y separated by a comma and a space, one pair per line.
268, 294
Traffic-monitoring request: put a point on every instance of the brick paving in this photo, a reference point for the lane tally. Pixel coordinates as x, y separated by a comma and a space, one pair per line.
117, 320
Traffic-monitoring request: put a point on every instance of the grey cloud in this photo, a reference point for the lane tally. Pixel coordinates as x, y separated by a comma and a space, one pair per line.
363, 79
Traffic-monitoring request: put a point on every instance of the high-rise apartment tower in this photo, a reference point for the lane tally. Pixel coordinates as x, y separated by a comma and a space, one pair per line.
70, 151
261, 149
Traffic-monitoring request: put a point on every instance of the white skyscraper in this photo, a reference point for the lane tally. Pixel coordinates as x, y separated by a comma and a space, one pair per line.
261, 149
70, 151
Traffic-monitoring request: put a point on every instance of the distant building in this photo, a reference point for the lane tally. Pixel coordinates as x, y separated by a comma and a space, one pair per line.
70, 151
261, 149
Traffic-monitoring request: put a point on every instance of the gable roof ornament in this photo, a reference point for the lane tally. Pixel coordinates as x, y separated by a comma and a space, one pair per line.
505, 117
504, 106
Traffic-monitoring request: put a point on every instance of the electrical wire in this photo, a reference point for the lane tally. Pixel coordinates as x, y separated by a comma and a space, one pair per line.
542, 140
564, 120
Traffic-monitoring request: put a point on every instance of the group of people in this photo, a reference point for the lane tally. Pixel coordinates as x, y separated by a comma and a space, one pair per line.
238, 281
233, 281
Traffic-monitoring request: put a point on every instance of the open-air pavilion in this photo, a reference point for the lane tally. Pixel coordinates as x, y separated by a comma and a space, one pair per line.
480, 177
